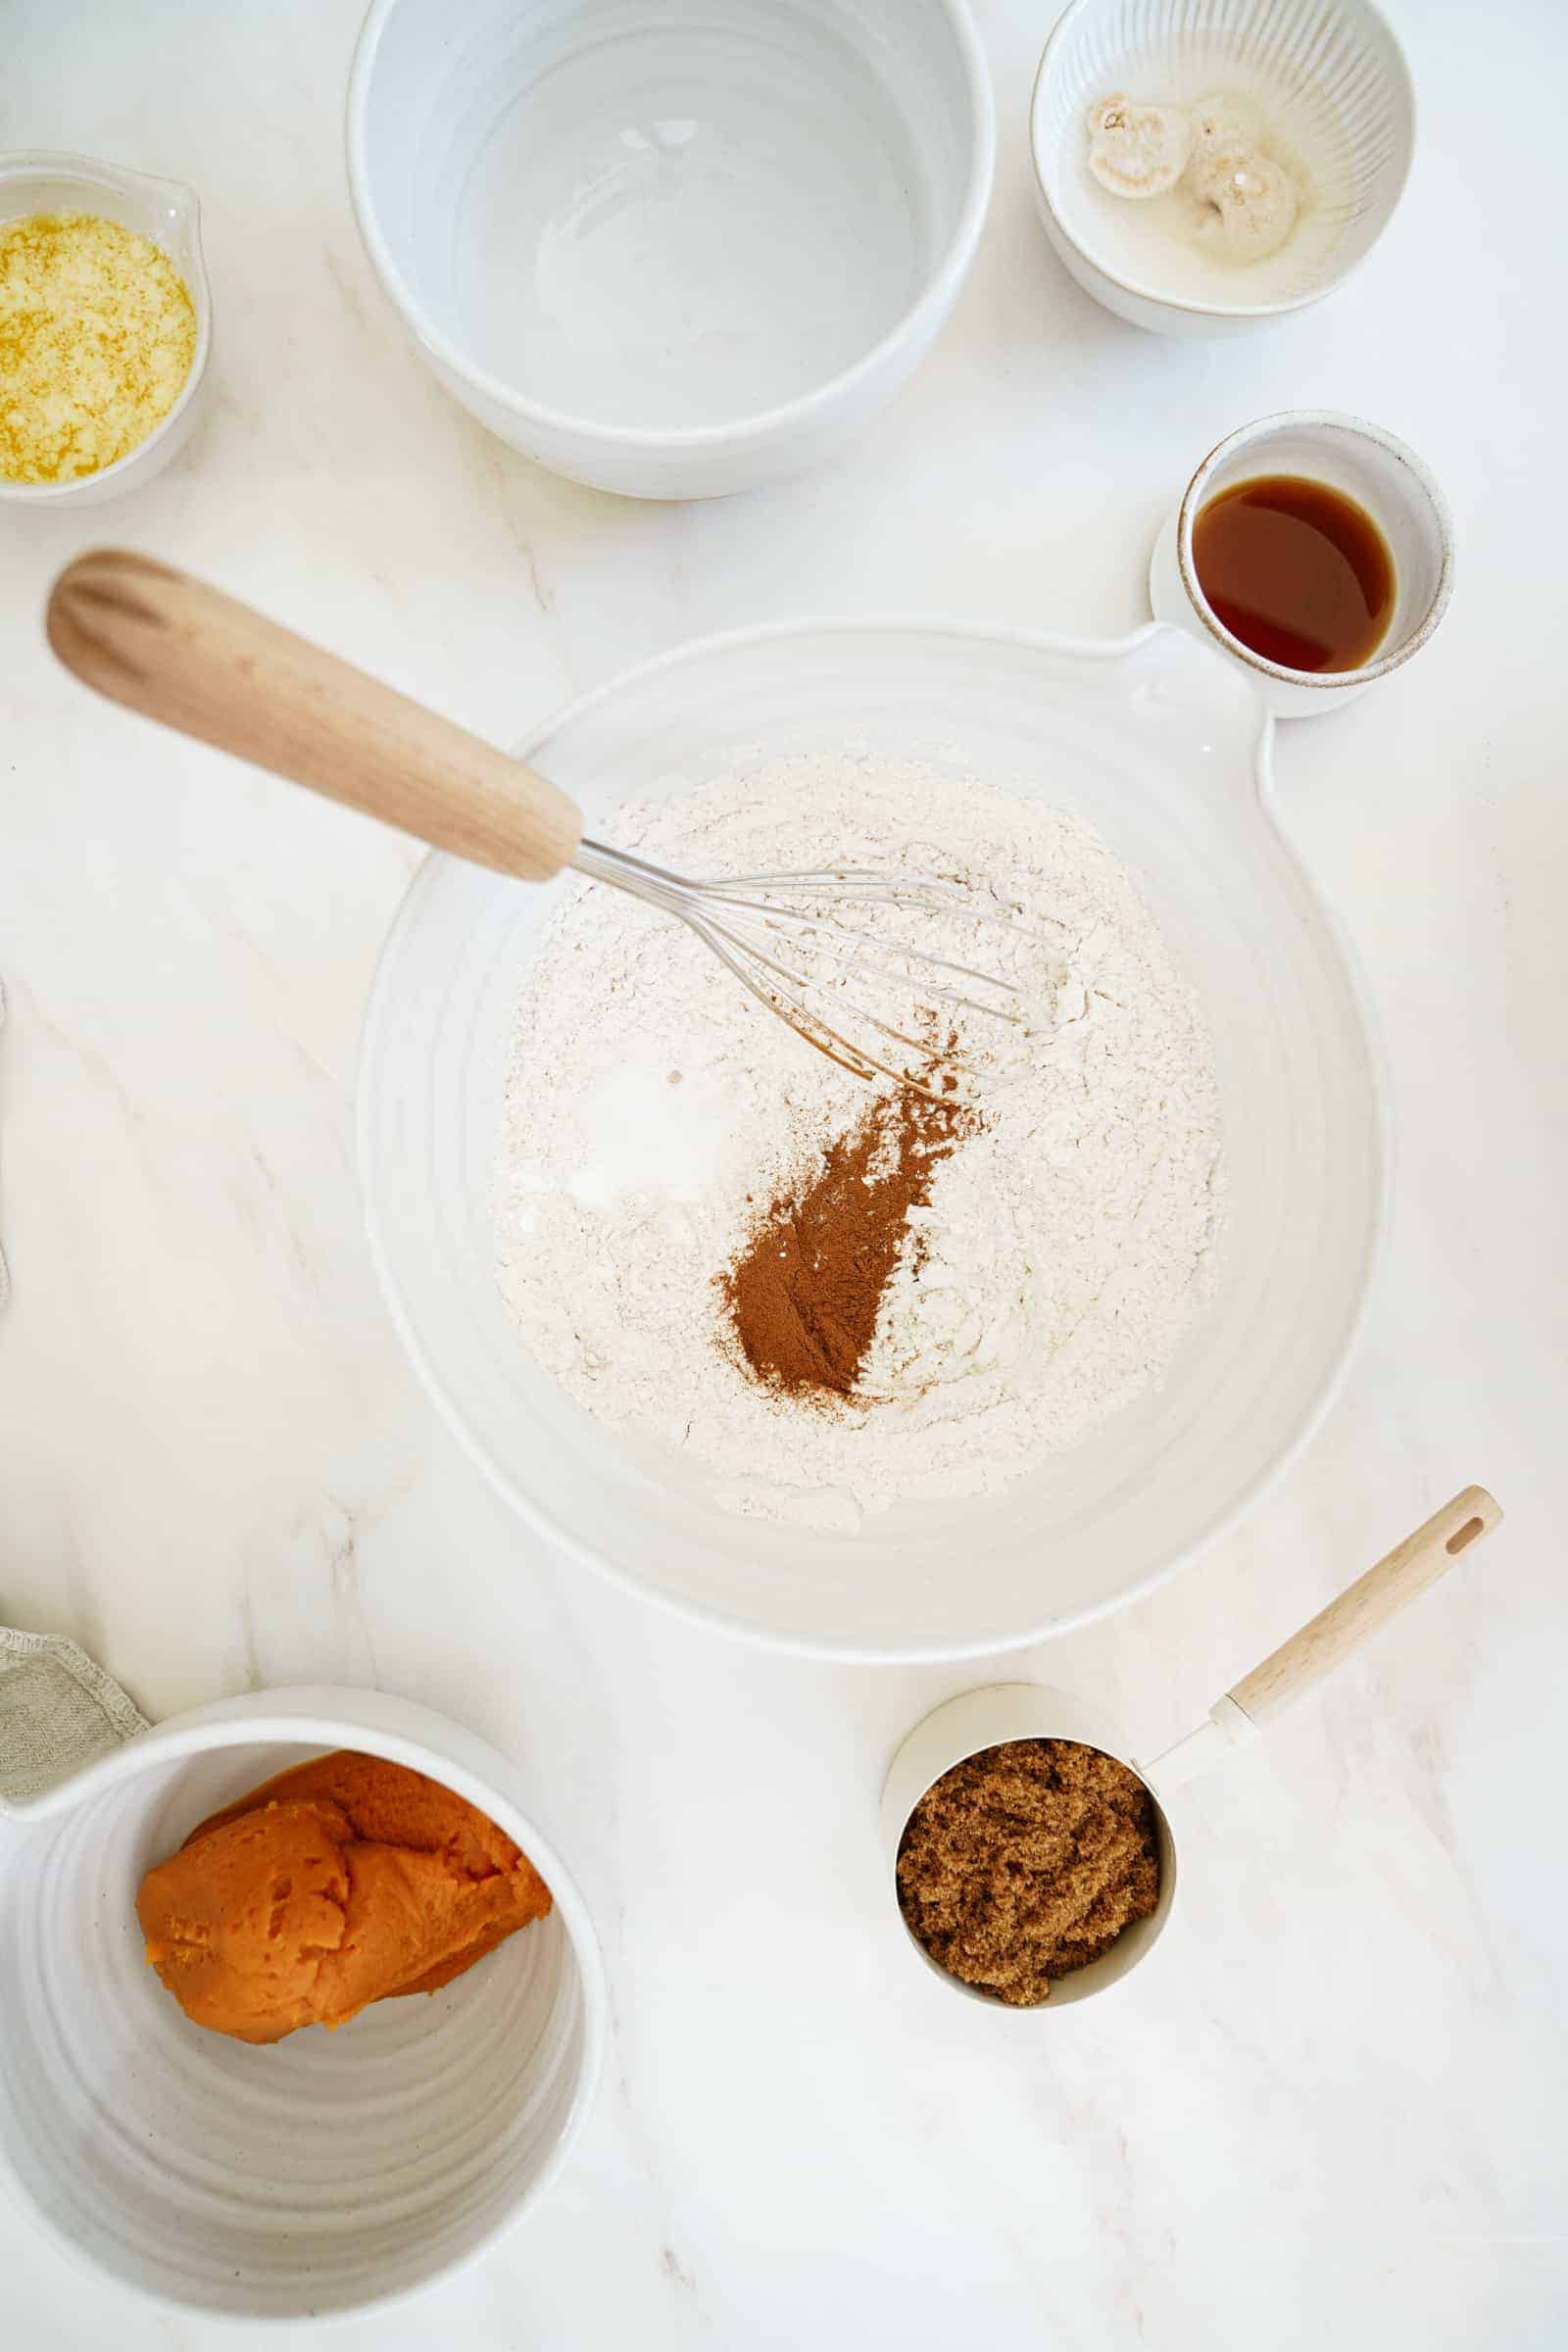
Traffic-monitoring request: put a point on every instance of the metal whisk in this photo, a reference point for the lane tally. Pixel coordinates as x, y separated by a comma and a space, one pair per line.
880, 1006
871, 997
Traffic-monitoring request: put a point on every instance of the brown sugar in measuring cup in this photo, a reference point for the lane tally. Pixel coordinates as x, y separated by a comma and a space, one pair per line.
976, 1728
965, 1939
1027, 1862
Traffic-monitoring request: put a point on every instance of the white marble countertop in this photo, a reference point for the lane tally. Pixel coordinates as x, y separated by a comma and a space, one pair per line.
1332, 2109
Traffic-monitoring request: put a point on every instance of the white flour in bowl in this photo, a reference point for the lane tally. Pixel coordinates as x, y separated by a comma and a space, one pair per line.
653, 1109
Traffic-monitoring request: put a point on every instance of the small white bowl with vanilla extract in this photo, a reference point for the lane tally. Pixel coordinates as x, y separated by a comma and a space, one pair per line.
1312, 550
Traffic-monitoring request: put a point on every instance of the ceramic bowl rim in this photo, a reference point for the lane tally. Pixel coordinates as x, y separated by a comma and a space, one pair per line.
1135, 287
911, 328
175, 1741
1310, 420
93, 172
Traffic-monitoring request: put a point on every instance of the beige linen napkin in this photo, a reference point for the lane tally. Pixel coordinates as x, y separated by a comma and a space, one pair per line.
57, 1711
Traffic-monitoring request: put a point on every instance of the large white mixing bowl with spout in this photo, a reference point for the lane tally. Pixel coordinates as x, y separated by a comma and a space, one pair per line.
1162, 748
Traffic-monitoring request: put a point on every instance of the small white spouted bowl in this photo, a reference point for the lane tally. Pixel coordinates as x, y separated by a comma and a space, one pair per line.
666, 251
166, 213
324, 2173
1332, 83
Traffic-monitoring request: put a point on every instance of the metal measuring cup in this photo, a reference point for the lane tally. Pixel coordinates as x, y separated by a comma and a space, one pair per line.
978, 1720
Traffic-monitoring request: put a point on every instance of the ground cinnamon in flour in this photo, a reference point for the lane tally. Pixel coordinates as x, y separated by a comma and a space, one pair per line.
1027, 1861
804, 1292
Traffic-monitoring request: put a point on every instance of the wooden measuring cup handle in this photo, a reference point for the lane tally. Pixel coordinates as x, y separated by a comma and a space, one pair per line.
178, 651
1400, 1577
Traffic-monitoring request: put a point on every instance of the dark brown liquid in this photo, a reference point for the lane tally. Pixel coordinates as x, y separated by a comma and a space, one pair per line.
1297, 571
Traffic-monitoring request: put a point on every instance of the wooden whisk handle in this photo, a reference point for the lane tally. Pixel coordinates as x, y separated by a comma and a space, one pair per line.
178, 651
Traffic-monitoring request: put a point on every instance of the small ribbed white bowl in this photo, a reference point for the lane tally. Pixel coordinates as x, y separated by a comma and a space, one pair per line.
329, 2172
1333, 88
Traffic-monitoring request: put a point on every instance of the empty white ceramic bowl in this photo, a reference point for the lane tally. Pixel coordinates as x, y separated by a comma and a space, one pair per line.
324, 2173
1167, 751
167, 214
672, 251
1336, 92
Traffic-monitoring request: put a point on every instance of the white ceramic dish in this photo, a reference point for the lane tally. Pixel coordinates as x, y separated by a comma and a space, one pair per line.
672, 251
1167, 751
330, 2172
167, 212
1383, 477
1336, 92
